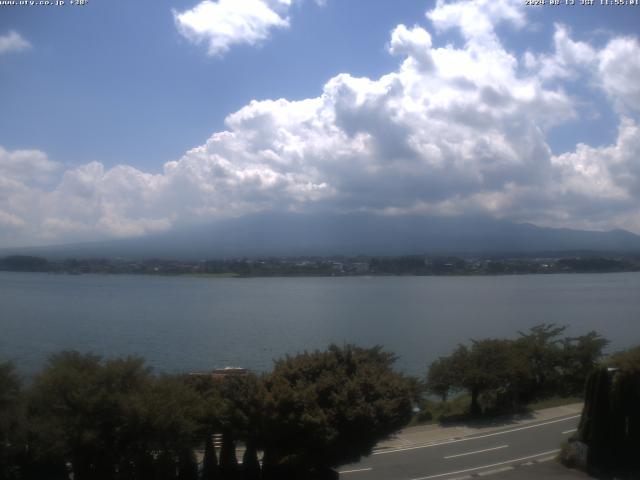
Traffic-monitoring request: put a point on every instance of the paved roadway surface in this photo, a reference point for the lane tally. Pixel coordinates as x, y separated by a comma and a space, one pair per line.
472, 455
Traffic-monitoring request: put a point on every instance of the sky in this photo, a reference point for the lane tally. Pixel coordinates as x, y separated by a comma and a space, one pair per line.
120, 118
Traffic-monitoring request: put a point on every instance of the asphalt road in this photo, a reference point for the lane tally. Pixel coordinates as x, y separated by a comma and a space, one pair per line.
465, 456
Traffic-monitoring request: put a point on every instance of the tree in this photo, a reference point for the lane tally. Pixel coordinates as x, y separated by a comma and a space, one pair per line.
440, 380
24, 263
107, 416
64, 417
228, 461
541, 347
488, 367
241, 416
626, 360
12, 422
187, 465
250, 463
165, 466
167, 412
580, 355
328, 408
610, 422
209, 462
515, 372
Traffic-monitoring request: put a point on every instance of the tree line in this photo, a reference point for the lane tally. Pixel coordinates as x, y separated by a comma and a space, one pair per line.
327, 266
505, 374
114, 419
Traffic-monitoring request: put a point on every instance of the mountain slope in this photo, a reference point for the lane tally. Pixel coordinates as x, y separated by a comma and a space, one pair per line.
352, 234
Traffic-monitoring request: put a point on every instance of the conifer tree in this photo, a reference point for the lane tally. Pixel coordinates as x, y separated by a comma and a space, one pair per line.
210, 462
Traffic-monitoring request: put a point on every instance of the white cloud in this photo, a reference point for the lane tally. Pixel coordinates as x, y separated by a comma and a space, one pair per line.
13, 42
415, 44
222, 24
613, 69
476, 19
452, 130
567, 58
619, 69
27, 165
604, 173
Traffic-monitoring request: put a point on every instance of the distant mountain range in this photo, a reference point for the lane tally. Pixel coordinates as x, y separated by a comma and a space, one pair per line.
275, 234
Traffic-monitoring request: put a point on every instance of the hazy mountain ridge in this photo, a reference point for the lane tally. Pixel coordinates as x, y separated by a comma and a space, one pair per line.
271, 234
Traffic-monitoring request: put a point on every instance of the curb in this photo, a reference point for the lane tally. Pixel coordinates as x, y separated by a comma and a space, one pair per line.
426, 443
444, 441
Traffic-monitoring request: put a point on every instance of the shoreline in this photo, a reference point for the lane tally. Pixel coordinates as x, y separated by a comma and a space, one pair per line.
306, 275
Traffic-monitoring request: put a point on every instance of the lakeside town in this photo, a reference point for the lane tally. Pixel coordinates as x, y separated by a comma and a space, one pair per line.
331, 266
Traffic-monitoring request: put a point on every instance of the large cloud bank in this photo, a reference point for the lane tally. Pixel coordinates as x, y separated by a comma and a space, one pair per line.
455, 129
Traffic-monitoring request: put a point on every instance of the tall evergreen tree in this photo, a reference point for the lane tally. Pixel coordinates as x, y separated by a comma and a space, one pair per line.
12, 422
144, 466
166, 466
187, 465
228, 460
250, 463
210, 462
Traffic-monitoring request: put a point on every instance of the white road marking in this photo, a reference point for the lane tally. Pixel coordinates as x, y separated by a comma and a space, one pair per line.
477, 451
356, 470
487, 466
403, 449
570, 431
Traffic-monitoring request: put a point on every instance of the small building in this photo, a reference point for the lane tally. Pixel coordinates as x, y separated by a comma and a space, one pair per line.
221, 373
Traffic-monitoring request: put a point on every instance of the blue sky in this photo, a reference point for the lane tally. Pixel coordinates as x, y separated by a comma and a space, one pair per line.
121, 70
96, 99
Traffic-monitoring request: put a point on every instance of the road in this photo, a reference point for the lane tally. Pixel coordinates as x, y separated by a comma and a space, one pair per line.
465, 456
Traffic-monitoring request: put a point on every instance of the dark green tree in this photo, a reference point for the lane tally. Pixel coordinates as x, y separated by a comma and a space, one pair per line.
490, 365
209, 462
541, 347
328, 408
167, 412
12, 423
143, 466
580, 355
506, 374
441, 377
250, 463
610, 422
490, 368
105, 416
166, 466
187, 465
626, 360
228, 461
65, 404
241, 417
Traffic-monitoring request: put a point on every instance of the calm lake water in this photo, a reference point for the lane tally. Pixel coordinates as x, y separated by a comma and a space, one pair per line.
195, 324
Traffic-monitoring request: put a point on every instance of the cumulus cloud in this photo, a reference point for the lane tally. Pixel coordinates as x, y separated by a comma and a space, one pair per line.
222, 24
27, 165
13, 42
613, 69
476, 20
454, 129
568, 57
619, 69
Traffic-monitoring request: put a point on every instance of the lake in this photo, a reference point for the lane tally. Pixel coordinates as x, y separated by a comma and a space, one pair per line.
183, 324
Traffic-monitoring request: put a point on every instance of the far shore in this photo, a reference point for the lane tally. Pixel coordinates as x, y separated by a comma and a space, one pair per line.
336, 266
